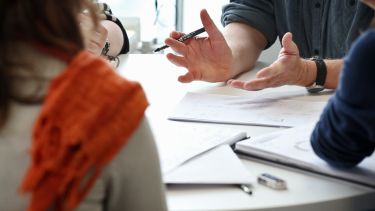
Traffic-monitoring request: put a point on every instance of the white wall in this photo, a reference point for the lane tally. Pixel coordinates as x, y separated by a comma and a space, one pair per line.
145, 9
192, 9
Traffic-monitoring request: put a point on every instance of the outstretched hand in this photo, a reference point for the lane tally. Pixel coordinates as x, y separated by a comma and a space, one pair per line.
206, 58
288, 69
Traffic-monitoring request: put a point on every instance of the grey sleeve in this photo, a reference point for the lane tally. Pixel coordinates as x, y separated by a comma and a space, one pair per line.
256, 13
133, 180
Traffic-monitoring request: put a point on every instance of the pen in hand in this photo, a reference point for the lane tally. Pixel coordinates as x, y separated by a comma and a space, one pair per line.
183, 38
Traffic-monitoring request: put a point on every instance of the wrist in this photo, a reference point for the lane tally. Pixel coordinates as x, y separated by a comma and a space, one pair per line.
321, 74
309, 73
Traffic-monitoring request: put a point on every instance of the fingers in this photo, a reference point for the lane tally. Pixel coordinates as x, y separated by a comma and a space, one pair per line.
236, 84
264, 79
266, 72
172, 42
187, 78
282, 72
177, 60
175, 35
181, 62
254, 85
258, 84
289, 46
210, 27
287, 39
177, 46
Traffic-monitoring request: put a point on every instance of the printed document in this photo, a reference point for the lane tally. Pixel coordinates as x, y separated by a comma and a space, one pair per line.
278, 112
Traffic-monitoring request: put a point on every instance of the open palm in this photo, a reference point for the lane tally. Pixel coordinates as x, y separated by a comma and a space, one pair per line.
288, 69
206, 58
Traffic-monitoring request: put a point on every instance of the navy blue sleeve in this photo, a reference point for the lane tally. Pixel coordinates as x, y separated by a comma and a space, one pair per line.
256, 13
345, 133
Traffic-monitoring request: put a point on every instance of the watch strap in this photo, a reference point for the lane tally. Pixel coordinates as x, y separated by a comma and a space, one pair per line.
321, 71
321, 74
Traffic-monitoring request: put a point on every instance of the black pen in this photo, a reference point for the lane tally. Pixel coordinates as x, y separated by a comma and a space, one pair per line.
183, 38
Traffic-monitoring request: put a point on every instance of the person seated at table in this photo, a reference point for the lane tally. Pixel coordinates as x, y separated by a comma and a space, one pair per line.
73, 134
319, 28
109, 38
345, 133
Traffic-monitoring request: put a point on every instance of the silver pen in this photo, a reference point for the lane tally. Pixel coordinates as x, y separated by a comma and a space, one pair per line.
247, 188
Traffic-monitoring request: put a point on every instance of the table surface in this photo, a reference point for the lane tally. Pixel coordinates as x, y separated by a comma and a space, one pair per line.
306, 190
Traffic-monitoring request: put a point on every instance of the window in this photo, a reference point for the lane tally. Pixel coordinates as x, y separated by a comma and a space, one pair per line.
156, 17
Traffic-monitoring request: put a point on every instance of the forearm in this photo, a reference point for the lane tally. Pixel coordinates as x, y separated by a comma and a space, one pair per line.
246, 44
342, 137
115, 37
333, 72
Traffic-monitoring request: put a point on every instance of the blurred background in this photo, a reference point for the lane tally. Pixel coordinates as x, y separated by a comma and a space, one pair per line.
149, 22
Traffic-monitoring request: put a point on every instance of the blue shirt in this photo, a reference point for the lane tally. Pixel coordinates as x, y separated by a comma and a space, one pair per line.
324, 28
345, 133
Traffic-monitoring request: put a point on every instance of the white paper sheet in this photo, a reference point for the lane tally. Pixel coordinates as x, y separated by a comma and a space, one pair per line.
215, 108
183, 142
220, 165
292, 147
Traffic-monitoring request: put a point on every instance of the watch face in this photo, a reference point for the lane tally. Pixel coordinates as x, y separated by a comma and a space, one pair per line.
315, 89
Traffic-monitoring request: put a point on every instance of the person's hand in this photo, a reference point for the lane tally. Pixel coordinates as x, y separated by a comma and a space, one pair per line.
94, 36
288, 69
206, 58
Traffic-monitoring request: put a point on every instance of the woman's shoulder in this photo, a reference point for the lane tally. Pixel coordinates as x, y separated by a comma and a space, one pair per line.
362, 53
358, 75
365, 43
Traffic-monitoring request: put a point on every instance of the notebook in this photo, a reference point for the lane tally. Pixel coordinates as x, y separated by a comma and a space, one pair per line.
292, 147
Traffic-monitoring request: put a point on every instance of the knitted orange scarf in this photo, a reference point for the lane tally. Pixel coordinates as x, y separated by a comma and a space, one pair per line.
88, 115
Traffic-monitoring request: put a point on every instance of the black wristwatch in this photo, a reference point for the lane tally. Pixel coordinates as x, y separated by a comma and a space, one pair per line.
321, 74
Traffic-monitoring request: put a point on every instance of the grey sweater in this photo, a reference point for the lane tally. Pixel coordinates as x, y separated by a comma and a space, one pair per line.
132, 180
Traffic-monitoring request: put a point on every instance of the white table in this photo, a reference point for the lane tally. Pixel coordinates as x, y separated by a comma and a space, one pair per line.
306, 191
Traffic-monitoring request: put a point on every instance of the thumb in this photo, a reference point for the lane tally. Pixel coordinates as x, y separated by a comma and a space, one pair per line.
264, 73
289, 46
210, 27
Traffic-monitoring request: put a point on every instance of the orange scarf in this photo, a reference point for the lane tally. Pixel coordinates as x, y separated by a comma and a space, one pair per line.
88, 115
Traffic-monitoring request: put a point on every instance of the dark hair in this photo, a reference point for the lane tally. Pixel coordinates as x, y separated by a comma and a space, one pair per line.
49, 23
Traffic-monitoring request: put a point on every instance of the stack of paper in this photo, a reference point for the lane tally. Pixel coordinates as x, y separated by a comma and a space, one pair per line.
183, 142
220, 165
292, 147
279, 112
